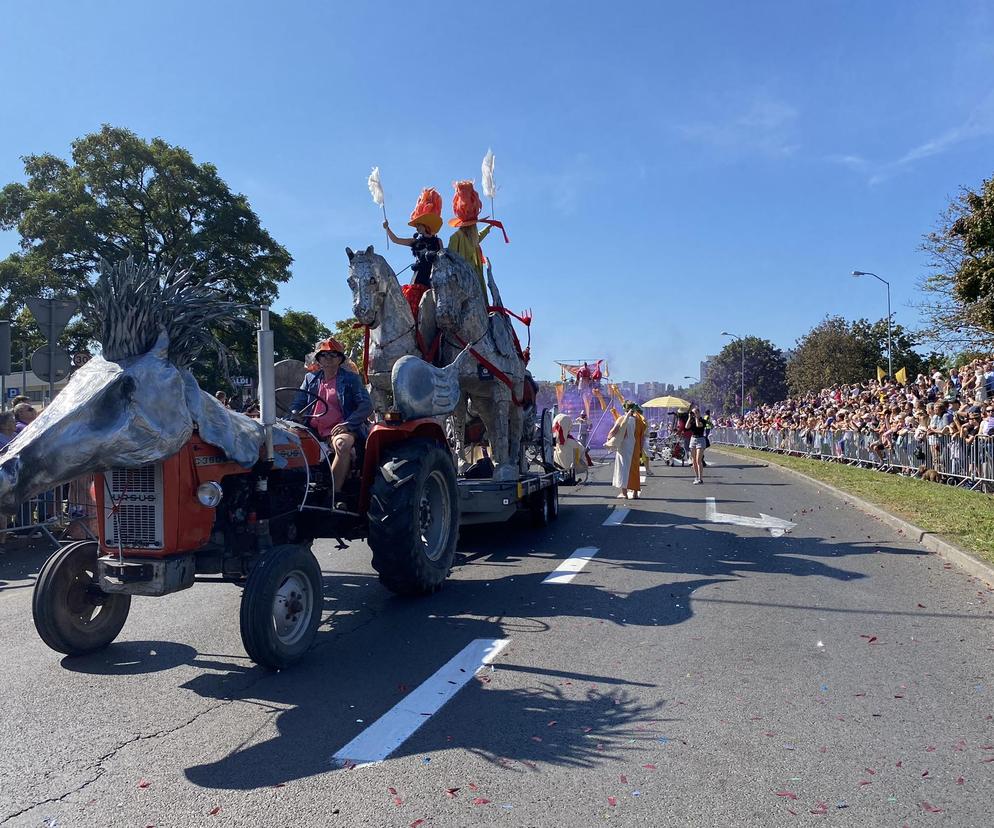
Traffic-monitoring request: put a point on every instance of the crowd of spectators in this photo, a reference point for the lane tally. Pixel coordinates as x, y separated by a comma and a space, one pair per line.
942, 421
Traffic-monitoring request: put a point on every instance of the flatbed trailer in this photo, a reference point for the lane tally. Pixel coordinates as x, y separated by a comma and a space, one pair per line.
492, 501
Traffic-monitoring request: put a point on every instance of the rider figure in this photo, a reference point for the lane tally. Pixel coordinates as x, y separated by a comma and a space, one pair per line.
341, 419
425, 244
466, 240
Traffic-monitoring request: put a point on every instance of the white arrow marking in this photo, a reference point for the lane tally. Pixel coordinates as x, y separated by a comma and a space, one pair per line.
568, 569
776, 526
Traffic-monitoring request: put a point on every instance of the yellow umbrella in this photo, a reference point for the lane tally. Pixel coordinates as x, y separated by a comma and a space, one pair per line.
666, 402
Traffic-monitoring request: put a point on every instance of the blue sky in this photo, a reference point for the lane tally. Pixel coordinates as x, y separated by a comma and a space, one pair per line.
666, 170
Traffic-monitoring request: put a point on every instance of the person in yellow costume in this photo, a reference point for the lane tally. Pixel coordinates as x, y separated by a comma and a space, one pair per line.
466, 206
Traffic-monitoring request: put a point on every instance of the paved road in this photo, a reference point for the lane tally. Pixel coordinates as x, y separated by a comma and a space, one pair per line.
692, 673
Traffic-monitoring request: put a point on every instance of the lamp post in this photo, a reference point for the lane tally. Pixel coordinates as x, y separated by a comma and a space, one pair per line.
742, 398
890, 365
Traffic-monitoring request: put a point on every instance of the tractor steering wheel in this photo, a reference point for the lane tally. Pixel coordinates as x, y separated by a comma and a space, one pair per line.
311, 409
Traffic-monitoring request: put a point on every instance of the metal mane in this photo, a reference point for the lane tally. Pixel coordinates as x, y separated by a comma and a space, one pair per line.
131, 304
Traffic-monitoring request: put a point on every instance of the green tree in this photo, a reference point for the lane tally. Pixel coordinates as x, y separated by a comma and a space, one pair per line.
903, 343
830, 353
295, 333
121, 195
960, 310
351, 337
765, 375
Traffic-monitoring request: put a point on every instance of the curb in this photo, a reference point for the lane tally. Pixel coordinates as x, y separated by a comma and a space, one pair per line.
932, 542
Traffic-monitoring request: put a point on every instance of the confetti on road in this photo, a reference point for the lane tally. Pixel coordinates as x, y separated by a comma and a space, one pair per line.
787, 794
481, 801
144, 783
612, 801
820, 808
214, 811
930, 808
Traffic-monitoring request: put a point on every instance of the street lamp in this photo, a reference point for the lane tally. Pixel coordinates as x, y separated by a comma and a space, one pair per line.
742, 399
890, 365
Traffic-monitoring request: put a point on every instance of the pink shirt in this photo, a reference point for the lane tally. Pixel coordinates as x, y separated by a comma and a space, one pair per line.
324, 423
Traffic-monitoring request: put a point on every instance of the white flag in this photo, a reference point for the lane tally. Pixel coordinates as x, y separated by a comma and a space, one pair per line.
489, 190
375, 189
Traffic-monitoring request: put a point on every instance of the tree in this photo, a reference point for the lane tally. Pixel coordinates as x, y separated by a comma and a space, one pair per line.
295, 333
830, 353
765, 375
960, 311
119, 196
903, 343
351, 338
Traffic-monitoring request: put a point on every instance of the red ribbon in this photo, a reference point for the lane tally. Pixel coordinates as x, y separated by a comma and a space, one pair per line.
498, 225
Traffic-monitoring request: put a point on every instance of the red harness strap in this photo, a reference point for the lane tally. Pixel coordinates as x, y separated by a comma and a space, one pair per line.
493, 369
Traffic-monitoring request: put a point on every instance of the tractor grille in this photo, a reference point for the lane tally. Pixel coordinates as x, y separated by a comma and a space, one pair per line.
136, 522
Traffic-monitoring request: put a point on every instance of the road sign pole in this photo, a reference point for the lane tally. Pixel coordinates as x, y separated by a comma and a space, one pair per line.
51, 357
24, 370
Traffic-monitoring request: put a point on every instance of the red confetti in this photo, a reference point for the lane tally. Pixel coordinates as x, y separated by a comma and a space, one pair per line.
143, 783
869, 638
623, 779
398, 801
392, 791
787, 794
931, 808
988, 759
214, 811
960, 780
536, 738
820, 808
612, 801
473, 786
922, 606
552, 723
865, 782
870, 771
417, 822
823, 749
930, 749
451, 792
481, 801
900, 762
650, 766
987, 747
924, 774
587, 729
792, 812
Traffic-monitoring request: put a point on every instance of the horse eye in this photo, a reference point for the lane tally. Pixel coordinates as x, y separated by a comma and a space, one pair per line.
351, 282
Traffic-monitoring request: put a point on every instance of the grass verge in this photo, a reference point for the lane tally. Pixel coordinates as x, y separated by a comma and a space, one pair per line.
960, 516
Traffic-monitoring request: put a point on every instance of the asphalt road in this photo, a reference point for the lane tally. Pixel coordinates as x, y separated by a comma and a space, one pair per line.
692, 673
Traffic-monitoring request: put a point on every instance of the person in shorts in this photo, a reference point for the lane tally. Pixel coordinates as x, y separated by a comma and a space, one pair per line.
698, 442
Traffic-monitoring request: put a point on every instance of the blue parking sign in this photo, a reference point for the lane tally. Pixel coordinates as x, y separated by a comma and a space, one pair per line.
12, 392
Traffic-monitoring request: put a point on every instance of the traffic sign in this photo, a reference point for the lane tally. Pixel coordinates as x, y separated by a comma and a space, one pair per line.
52, 315
13, 392
43, 358
80, 359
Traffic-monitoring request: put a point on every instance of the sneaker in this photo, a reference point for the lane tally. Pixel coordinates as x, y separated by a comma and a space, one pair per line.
698, 482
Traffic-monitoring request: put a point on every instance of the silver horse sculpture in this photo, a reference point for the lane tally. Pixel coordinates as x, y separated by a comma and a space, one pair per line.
379, 303
138, 402
463, 319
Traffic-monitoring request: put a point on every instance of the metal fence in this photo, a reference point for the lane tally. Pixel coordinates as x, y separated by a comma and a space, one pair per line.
957, 461
68, 511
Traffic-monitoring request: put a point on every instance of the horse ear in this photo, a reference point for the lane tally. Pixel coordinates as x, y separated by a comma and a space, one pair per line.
350, 253
369, 249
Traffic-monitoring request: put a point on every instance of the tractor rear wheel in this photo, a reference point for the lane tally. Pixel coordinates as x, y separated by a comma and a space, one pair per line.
414, 517
281, 606
71, 613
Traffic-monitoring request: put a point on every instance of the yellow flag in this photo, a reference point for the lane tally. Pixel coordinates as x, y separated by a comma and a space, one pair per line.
902, 376
880, 374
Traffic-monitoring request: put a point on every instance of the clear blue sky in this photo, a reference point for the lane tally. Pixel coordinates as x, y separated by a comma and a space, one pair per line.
666, 170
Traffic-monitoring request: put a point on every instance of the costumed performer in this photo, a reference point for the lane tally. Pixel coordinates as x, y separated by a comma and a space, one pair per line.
425, 244
567, 453
466, 206
627, 437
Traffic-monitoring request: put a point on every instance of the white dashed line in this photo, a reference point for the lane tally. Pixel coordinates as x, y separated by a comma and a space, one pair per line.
568, 569
398, 724
618, 514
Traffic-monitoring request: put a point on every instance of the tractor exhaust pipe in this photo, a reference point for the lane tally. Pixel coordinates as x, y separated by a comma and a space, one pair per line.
267, 379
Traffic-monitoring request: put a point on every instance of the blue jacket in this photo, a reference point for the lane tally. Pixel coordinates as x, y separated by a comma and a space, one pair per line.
352, 397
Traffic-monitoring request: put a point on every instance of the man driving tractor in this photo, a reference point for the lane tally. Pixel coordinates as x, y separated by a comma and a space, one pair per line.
334, 403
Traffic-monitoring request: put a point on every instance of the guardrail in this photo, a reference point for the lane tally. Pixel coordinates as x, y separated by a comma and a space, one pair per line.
957, 461
68, 511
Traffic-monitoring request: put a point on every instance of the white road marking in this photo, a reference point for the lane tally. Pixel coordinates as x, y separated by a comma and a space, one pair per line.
618, 514
776, 526
400, 722
568, 569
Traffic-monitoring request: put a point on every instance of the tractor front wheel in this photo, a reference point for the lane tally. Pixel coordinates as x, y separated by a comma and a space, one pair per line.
71, 613
281, 606
414, 517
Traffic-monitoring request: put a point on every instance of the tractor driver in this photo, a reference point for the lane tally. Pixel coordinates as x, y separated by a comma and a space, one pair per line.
342, 418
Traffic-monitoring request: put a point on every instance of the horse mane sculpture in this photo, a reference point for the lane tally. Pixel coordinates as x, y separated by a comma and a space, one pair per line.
378, 303
463, 319
137, 403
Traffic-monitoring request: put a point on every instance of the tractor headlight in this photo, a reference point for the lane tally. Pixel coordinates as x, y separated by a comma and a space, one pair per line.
210, 494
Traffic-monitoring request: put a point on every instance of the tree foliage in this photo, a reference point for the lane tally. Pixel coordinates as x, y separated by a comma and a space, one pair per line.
765, 375
960, 310
121, 195
836, 351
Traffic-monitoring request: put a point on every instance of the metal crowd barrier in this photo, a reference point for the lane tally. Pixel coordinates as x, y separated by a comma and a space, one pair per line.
66, 512
958, 461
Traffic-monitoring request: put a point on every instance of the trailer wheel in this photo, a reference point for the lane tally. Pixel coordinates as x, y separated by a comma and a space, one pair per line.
554, 501
414, 517
71, 613
540, 509
281, 606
